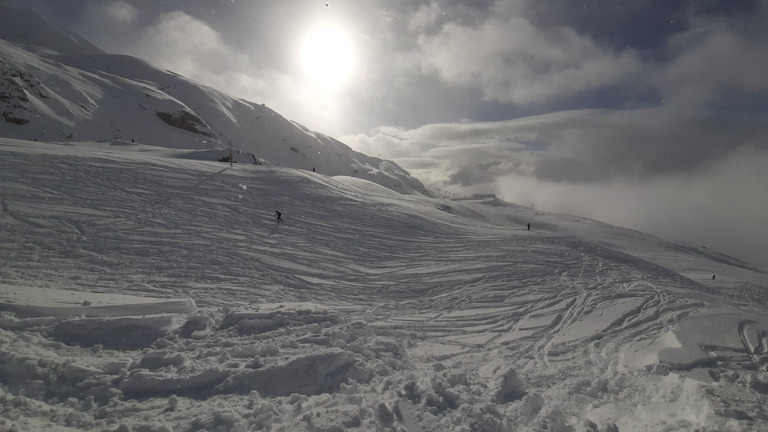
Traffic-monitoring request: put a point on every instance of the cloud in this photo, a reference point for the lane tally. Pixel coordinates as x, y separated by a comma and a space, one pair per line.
425, 16
716, 57
448, 156
106, 13
511, 60
103, 23
602, 145
695, 176
584, 146
723, 207
189, 46
681, 166
530, 54
120, 11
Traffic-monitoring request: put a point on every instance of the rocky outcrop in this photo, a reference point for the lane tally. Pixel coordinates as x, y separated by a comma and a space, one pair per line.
187, 121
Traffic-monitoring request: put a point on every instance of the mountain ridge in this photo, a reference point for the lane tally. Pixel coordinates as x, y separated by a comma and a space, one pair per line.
82, 94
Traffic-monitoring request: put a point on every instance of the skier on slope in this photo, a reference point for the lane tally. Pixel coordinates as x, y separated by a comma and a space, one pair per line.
279, 216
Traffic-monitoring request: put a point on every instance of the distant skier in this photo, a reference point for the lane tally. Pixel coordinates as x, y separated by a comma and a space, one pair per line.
713, 277
529, 227
279, 216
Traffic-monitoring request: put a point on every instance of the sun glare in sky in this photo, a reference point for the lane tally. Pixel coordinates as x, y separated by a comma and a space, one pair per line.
327, 55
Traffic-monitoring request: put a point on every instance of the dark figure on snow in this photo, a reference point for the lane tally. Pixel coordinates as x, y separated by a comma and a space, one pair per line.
713, 277
279, 216
529, 227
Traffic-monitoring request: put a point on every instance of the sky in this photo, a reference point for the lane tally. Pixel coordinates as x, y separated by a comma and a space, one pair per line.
649, 114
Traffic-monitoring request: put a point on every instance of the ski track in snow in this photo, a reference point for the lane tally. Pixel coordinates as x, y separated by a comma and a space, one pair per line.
365, 310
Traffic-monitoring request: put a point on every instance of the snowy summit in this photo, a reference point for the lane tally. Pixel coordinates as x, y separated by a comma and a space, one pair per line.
146, 284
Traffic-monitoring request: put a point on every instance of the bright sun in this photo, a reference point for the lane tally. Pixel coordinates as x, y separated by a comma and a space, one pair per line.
327, 56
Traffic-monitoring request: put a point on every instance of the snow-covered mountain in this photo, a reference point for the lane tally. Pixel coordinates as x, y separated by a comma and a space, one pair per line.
54, 86
144, 286
144, 290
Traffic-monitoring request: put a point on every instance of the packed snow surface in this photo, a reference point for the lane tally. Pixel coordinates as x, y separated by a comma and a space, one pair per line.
144, 290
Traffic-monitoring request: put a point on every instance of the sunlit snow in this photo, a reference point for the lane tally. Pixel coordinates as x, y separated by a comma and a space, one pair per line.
143, 289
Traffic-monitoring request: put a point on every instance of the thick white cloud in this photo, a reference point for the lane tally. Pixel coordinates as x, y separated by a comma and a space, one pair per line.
188, 45
715, 57
513, 61
513, 56
107, 23
425, 17
582, 146
723, 206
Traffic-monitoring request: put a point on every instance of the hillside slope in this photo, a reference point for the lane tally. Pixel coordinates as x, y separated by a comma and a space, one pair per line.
56, 91
147, 290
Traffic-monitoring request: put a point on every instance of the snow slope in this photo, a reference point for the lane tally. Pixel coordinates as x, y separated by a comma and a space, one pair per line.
55, 87
144, 289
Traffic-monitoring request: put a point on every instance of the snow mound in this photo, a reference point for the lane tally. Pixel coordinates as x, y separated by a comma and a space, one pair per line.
308, 375
117, 333
273, 317
105, 319
27, 302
